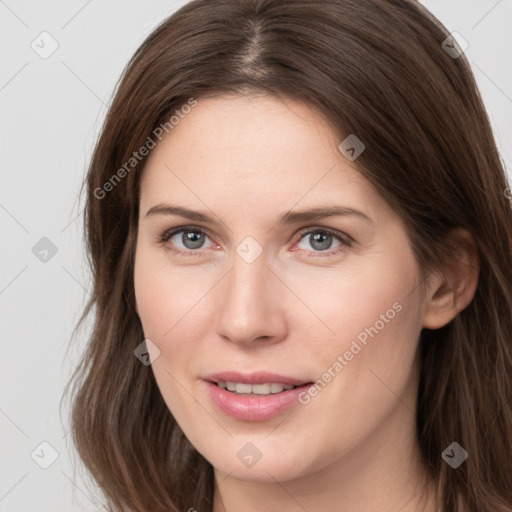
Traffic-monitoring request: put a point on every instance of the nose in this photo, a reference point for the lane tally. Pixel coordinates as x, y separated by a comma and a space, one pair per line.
251, 304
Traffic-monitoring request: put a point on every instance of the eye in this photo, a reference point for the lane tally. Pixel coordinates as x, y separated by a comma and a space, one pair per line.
190, 238
321, 239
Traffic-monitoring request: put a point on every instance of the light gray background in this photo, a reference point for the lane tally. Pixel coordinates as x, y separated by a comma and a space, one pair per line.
52, 110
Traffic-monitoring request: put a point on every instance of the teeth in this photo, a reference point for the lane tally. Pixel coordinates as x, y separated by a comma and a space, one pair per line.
256, 389
243, 388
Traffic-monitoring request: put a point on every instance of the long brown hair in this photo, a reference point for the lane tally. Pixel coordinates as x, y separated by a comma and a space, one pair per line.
374, 68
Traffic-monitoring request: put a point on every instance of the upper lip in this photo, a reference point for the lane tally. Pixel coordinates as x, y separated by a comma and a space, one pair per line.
254, 378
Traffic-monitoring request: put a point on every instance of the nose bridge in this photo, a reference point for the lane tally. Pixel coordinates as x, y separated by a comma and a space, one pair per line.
248, 308
249, 274
247, 285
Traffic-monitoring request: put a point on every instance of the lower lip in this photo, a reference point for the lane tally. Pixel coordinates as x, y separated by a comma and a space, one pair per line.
255, 407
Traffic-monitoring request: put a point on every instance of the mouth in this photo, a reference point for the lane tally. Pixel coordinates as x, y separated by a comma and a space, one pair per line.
256, 383
243, 389
256, 396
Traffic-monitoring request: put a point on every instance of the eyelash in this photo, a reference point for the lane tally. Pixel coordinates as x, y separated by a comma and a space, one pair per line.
345, 239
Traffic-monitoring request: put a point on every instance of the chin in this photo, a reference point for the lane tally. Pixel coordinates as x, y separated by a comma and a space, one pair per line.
266, 465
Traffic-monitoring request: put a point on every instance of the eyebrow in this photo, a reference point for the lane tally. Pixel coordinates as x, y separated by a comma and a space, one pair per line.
289, 217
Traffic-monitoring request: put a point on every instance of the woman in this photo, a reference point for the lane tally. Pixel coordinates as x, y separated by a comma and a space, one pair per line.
301, 244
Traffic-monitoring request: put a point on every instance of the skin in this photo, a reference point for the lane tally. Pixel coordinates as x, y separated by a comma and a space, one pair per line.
293, 311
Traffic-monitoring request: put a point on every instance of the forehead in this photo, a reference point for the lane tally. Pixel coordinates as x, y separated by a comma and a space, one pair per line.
254, 149
249, 126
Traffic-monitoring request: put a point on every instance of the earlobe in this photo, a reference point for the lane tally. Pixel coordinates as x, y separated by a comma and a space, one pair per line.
451, 291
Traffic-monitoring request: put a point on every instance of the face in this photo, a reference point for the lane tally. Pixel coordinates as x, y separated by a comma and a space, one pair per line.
238, 290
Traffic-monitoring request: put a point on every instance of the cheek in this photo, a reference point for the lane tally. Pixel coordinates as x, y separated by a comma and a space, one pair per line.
167, 305
378, 350
375, 317
363, 370
379, 301
174, 309
167, 297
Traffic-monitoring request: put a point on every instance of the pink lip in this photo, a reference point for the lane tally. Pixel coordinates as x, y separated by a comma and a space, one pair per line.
253, 408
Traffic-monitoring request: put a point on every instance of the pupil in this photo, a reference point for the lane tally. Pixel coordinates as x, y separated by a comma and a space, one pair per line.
192, 239
324, 239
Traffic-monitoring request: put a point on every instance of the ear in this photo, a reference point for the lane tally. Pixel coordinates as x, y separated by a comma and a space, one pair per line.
449, 292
